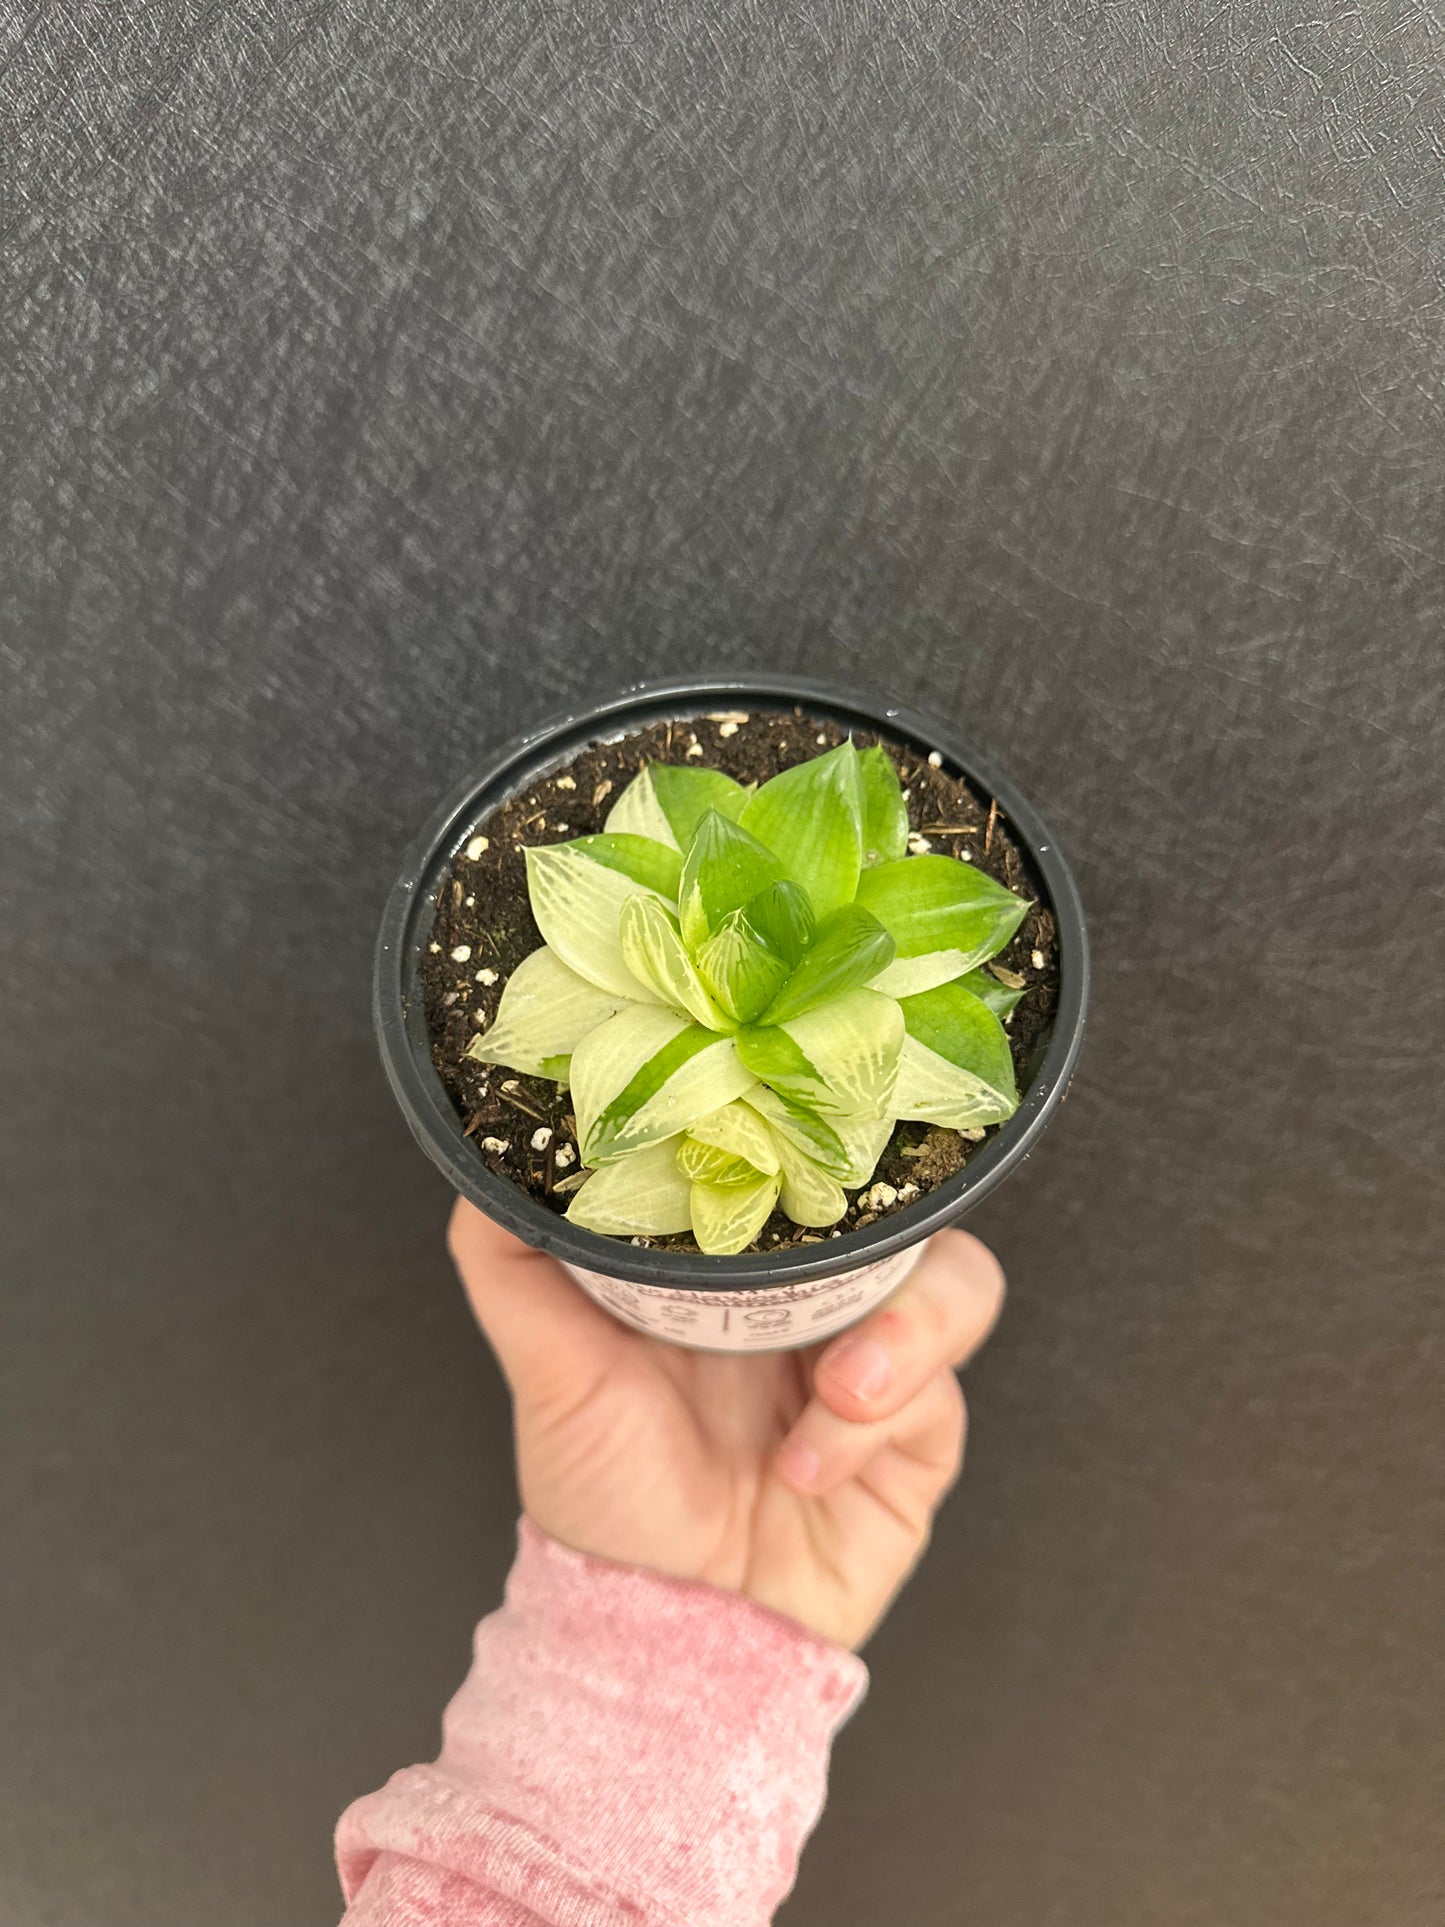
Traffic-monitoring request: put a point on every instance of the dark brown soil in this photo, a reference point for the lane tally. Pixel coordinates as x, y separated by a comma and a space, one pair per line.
523, 1127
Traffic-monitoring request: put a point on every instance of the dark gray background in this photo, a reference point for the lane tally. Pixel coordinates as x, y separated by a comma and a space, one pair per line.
378, 379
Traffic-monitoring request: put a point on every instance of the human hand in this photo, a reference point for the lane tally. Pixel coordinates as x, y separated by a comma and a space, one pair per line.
804, 1480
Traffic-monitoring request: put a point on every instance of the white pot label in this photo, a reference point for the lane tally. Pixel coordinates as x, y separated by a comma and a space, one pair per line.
776, 1318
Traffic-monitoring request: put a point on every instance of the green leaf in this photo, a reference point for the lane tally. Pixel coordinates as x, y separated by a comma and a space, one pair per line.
645, 1195
944, 916
796, 1124
578, 906
738, 1130
545, 1012
842, 1057
960, 1027
687, 794
739, 969
653, 952
988, 990
725, 866
809, 1195
666, 802
645, 1075
559, 1069
783, 917
811, 817
850, 949
727, 1217
885, 814
955, 1067
651, 864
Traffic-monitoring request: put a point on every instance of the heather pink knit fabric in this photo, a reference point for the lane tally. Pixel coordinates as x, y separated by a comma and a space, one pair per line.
627, 1751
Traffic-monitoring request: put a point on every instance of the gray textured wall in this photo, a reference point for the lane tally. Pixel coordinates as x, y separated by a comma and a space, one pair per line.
377, 378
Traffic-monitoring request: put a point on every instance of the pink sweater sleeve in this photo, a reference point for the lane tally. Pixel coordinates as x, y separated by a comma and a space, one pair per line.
627, 1751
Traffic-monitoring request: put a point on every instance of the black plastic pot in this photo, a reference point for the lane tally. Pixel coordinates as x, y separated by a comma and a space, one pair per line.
405, 1047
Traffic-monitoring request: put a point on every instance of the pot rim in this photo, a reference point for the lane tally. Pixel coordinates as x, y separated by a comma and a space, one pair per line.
400, 1021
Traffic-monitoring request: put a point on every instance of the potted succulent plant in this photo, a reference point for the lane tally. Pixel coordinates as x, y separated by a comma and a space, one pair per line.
729, 994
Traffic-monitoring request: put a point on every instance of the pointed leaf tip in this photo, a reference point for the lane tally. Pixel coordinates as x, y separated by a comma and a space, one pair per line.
850, 949
725, 867
545, 1012
665, 802
944, 916
652, 950
885, 814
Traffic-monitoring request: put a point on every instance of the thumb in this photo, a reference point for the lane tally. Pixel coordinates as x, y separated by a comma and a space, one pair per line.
549, 1338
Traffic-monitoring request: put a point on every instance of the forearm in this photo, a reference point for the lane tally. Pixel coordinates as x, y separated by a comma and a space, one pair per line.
626, 1751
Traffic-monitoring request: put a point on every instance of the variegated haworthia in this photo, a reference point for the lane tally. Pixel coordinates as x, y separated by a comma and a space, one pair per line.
746, 989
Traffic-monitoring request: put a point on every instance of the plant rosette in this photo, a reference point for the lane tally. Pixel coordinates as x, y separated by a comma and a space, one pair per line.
742, 989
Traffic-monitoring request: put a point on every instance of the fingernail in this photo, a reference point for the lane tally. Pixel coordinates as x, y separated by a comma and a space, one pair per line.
798, 1463
861, 1366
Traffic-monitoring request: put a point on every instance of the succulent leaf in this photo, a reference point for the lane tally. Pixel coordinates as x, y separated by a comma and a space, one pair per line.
743, 973
727, 1217
809, 1194
841, 1056
649, 863
577, 902
545, 1012
945, 917
783, 918
665, 802
645, 1195
885, 814
740, 1131
811, 818
646, 1074
850, 948
955, 1067
652, 950
724, 867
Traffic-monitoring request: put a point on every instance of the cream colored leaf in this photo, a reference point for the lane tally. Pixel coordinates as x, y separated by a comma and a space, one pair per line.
843, 1056
908, 976
936, 1092
638, 812
653, 952
809, 1195
864, 1139
578, 906
646, 1074
727, 1217
545, 1012
643, 1195
739, 1130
